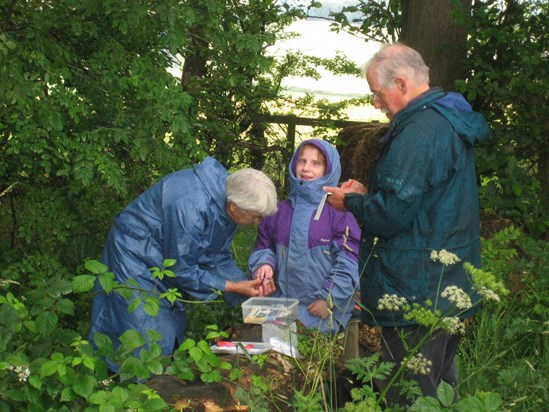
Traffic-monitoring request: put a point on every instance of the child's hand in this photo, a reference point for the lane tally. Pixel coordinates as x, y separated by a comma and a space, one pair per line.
265, 273
319, 308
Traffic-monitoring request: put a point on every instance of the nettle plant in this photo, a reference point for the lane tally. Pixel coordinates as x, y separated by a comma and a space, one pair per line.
370, 369
46, 366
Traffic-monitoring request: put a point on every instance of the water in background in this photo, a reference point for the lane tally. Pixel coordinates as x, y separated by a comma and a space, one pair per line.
316, 39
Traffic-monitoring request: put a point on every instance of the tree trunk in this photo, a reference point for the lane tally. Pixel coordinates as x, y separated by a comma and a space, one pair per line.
430, 28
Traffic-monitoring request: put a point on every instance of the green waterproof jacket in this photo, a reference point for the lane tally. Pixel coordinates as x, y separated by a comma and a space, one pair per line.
422, 198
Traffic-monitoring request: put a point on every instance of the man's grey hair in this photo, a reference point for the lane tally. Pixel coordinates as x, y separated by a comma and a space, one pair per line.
393, 60
252, 191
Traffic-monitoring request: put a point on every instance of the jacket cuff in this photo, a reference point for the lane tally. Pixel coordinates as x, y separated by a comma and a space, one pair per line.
350, 200
322, 294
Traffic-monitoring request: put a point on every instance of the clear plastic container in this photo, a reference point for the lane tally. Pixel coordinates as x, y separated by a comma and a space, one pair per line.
280, 311
271, 333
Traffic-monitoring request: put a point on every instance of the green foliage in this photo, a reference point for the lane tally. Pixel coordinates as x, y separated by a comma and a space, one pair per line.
509, 83
236, 80
506, 351
197, 355
368, 369
522, 262
45, 366
305, 403
506, 347
89, 118
480, 402
255, 398
380, 20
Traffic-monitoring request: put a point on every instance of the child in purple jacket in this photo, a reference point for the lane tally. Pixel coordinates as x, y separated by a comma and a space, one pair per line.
310, 255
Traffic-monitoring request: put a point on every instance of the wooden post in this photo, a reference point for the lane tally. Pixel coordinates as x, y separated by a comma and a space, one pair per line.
291, 131
351, 349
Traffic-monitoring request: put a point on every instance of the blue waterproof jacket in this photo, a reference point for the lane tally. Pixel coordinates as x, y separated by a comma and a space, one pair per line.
312, 259
422, 197
182, 217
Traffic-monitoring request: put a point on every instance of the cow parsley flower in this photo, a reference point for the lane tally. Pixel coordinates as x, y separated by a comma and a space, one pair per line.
453, 325
444, 257
457, 296
391, 302
419, 365
488, 294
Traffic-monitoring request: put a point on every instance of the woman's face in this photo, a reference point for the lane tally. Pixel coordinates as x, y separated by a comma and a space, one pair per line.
311, 163
242, 217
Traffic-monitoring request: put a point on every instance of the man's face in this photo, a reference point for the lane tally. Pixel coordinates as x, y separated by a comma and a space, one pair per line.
311, 163
387, 99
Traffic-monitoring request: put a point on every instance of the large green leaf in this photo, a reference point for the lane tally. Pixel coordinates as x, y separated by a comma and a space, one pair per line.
84, 385
132, 339
83, 283
107, 281
46, 323
95, 266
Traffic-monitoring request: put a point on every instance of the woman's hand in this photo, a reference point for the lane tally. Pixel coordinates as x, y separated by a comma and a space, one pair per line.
245, 287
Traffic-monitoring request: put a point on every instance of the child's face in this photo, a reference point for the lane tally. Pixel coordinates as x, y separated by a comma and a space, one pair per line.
311, 163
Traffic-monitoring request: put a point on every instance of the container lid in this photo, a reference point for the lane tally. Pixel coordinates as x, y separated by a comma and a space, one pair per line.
266, 301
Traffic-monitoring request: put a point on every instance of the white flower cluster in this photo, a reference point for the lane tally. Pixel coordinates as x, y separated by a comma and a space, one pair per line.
453, 325
456, 295
488, 293
22, 372
105, 383
391, 302
444, 257
419, 365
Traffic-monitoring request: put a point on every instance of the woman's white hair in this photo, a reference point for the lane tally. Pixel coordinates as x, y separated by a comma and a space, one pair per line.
252, 191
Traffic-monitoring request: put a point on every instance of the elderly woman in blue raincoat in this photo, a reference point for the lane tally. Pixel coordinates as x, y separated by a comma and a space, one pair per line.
310, 250
190, 216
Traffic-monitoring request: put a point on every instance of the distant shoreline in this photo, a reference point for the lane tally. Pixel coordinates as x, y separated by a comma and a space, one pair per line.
304, 90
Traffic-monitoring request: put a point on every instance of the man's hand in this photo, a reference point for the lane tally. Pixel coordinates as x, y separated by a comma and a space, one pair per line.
319, 308
265, 273
338, 193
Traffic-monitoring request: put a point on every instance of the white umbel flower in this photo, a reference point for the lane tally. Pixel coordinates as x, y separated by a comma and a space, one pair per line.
444, 257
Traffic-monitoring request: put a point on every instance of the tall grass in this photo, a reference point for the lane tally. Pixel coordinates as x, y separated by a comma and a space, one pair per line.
505, 352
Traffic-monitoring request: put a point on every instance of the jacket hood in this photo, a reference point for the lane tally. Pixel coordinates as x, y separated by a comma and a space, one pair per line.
311, 190
210, 173
470, 126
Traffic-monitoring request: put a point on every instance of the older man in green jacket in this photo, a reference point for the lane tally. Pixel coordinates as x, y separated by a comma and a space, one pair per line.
422, 198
